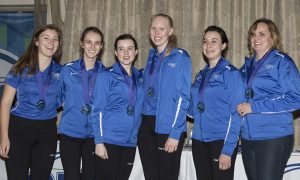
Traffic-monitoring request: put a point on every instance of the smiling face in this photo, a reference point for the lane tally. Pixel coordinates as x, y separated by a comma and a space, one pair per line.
261, 40
125, 52
47, 43
160, 30
91, 45
212, 46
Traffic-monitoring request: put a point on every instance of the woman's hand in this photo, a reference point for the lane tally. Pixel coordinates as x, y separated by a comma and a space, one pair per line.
224, 162
171, 145
244, 109
4, 147
100, 150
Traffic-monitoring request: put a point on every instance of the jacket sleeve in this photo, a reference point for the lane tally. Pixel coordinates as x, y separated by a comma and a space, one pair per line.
183, 86
13, 80
62, 90
290, 99
99, 99
196, 84
235, 92
190, 112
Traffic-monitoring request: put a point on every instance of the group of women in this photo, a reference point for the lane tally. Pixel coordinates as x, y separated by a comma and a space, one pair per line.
107, 112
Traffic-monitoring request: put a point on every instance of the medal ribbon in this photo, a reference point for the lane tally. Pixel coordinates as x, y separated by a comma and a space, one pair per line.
131, 83
44, 85
254, 68
88, 83
155, 68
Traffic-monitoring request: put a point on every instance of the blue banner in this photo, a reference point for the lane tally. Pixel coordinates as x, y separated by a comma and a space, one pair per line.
15, 34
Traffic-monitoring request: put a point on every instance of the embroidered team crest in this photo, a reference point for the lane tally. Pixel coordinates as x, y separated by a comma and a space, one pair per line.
172, 65
215, 76
74, 73
269, 66
120, 78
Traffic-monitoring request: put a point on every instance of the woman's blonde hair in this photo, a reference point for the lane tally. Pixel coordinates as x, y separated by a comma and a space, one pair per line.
275, 35
172, 41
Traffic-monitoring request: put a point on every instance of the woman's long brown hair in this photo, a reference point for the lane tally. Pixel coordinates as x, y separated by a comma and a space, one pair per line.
30, 59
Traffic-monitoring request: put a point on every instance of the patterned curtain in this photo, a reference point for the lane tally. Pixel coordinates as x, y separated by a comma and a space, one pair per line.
190, 17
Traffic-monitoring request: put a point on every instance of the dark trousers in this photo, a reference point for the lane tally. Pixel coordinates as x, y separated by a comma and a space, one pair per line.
157, 163
266, 159
119, 164
32, 146
72, 151
206, 160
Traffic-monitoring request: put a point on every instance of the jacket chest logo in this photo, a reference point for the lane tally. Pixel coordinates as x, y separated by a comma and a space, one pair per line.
172, 65
215, 76
73, 73
120, 78
269, 66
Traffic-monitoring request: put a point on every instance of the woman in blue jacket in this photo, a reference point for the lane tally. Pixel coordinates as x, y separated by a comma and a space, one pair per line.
75, 129
116, 116
28, 129
216, 92
167, 82
272, 90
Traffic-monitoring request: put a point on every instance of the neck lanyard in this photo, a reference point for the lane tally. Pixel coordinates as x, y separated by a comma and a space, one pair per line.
154, 68
255, 67
131, 83
88, 83
43, 87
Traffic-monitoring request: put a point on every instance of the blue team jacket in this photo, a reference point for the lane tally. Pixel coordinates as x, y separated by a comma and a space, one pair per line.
73, 123
173, 92
220, 120
28, 94
276, 95
111, 123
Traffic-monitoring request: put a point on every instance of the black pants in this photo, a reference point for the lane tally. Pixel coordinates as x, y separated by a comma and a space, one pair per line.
157, 163
32, 146
119, 164
266, 159
72, 151
206, 156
